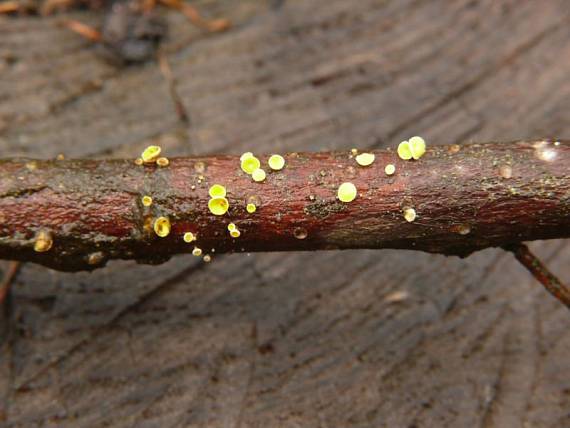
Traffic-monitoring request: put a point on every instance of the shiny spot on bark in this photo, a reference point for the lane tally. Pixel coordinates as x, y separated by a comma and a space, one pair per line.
505, 171
300, 233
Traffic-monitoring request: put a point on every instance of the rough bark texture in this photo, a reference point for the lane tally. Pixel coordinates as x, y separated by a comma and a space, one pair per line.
325, 339
465, 199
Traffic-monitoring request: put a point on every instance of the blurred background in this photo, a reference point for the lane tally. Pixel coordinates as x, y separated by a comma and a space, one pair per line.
329, 339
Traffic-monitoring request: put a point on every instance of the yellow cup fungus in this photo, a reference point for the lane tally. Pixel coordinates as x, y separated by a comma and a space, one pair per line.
390, 169
218, 205
146, 201
207, 258
189, 237
251, 208
162, 162
410, 214
249, 164
231, 227
258, 175
346, 192
235, 233
197, 252
217, 191
161, 226
151, 154
276, 162
43, 242
365, 159
414, 148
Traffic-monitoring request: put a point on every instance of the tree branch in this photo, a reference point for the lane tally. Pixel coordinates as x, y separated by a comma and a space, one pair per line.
466, 198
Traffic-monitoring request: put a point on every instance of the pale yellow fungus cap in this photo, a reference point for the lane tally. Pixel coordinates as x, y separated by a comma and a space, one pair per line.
189, 237
245, 156
410, 214
162, 162
231, 227
151, 154
138, 161
258, 175
417, 147
235, 233
346, 192
390, 169
218, 206
197, 252
404, 150
276, 162
146, 201
365, 159
217, 191
207, 258
43, 242
354, 151
251, 208
250, 164
162, 226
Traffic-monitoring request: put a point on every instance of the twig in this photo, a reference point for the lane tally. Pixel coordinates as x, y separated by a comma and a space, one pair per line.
77, 214
541, 272
9, 276
166, 71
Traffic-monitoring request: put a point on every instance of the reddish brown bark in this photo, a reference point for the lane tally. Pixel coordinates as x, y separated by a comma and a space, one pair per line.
466, 197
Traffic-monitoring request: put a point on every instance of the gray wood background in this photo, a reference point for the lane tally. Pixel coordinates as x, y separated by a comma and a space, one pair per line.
292, 340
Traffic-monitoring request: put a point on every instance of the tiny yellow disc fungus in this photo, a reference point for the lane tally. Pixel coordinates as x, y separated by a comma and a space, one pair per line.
235, 233
43, 242
276, 162
207, 258
354, 151
390, 169
250, 164
146, 201
231, 227
410, 214
365, 159
217, 191
197, 252
245, 156
218, 205
189, 237
404, 150
251, 208
417, 147
138, 161
258, 175
162, 226
347, 192
151, 154
162, 161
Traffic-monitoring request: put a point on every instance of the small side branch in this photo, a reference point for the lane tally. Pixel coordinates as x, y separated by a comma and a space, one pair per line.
541, 273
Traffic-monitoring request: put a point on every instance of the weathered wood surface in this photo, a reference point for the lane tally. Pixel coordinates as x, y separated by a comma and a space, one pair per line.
293, 340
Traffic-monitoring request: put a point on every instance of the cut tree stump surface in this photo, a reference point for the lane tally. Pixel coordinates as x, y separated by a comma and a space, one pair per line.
328, 339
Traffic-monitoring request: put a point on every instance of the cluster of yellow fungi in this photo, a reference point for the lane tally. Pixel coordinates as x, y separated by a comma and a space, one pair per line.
151, 155
411, 149
414, 148
218, 204
251, 165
